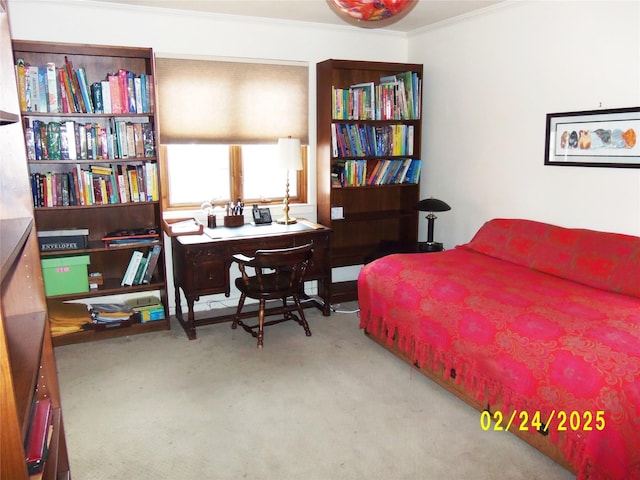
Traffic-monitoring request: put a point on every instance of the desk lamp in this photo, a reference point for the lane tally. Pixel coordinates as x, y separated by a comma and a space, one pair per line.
289, 158
431, 205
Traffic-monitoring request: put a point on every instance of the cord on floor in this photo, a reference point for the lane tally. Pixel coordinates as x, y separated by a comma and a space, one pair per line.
334, 307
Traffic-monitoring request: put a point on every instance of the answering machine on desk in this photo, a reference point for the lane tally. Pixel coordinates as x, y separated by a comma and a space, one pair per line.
261, 216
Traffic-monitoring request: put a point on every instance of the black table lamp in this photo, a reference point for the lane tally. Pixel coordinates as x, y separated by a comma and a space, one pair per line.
431, 205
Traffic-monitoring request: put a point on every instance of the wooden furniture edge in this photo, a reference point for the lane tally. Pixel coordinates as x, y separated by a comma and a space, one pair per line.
92, 335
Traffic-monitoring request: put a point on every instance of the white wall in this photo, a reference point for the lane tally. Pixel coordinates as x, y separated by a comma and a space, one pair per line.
490, 79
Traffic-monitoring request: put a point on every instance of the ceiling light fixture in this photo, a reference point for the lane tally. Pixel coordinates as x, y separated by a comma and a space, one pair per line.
371, 13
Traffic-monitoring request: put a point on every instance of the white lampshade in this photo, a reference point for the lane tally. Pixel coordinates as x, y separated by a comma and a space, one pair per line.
289, 156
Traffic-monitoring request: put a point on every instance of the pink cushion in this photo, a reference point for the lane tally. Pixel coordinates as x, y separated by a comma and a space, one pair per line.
608, 261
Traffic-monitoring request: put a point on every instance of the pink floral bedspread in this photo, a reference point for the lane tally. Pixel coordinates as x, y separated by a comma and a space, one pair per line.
538, 341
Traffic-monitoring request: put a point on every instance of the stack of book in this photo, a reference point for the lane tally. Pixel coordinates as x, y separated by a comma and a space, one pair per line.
396, 97
141, 267
106, 139
109, 315
358, 140
96, 185
65, 89
358, 173
136, 236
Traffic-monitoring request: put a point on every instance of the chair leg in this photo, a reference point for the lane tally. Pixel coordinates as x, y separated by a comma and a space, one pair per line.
261, 323
234, 325
303, 320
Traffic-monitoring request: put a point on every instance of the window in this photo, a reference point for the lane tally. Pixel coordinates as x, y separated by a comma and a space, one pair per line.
219, 124
218, 173
197, 173
259, 178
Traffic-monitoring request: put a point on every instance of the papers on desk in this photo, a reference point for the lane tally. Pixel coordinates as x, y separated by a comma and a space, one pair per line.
182, 226
185, 226
181, 230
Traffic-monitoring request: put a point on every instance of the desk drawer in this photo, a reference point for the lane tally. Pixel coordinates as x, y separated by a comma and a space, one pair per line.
207, 269
209, 276
249, 247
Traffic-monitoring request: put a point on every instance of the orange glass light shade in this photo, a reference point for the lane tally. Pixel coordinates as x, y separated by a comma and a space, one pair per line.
361, 12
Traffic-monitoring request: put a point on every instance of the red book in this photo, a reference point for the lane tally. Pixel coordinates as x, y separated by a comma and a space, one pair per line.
36, 448
116, 96
66, 106
124, 90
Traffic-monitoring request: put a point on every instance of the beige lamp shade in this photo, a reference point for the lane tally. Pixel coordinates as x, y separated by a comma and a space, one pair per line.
289, 155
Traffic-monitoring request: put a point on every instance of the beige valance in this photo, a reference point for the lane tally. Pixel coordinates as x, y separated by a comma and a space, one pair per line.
206, 101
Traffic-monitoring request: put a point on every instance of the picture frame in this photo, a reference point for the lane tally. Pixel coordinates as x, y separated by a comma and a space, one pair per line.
594, 138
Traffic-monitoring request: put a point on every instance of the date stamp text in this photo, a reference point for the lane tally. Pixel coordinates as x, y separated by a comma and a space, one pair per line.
560, 420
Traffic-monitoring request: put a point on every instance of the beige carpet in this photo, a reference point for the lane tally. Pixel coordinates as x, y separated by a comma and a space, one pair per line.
331, 406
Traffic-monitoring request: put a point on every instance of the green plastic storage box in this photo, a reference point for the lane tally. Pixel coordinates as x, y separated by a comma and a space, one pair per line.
65, 275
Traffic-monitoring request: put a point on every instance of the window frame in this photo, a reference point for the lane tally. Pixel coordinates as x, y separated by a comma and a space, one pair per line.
235, 181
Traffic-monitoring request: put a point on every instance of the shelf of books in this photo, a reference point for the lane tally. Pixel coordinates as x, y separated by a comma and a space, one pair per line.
369, 156
90, 132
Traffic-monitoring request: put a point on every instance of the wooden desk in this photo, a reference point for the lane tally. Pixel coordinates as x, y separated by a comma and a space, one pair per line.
201, 262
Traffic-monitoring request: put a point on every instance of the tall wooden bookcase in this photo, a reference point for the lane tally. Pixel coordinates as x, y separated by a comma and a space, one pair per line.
362, 216
119, 210
27, 364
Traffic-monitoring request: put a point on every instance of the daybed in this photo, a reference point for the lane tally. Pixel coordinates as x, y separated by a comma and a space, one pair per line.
527, 317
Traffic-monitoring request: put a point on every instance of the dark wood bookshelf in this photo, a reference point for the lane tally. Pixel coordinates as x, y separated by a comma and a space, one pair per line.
371, 213
100, 218
27, 363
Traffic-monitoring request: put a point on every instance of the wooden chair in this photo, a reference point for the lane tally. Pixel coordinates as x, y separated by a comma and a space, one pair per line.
278, 275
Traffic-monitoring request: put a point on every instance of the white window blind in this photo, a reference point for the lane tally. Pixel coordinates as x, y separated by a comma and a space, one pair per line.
206, 101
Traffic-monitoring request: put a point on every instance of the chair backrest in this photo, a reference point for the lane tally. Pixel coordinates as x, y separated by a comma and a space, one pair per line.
290, 265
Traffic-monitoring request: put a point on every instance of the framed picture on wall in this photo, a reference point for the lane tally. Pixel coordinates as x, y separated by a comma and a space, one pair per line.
595, 138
